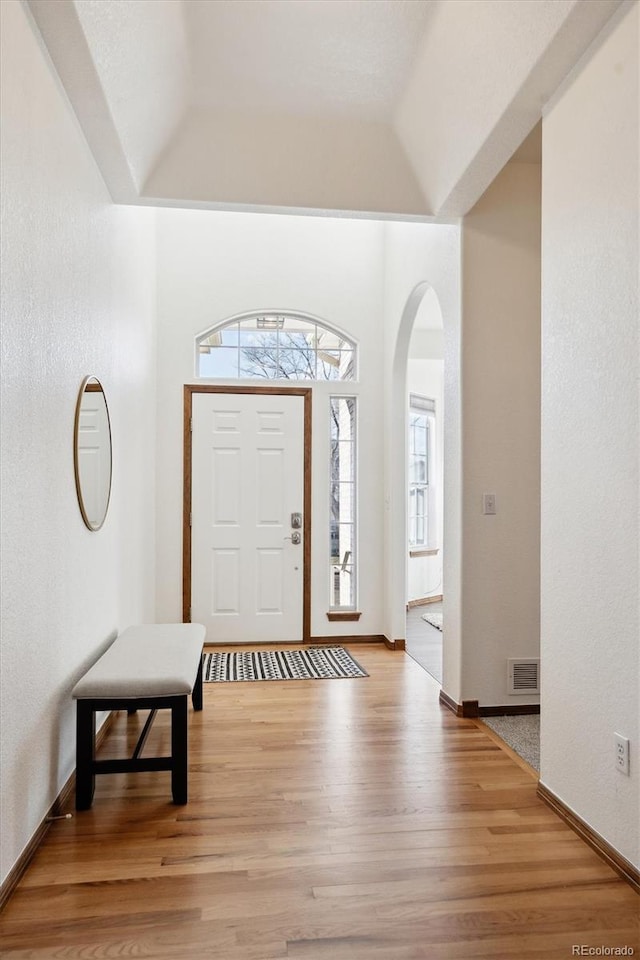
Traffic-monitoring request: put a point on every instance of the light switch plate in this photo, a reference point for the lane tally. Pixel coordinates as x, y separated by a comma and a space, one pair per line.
489, 504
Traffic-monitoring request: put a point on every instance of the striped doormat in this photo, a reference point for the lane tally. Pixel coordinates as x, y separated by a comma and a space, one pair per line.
314, 663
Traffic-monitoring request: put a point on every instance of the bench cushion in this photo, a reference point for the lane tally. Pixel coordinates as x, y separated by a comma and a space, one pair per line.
151, 660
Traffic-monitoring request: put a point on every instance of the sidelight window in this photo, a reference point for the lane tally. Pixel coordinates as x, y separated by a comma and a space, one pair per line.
342, 503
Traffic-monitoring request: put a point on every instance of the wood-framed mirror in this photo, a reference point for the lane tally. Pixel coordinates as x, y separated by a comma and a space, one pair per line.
92, 453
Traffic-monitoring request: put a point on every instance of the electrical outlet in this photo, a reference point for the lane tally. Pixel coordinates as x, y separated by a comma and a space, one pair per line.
622, 753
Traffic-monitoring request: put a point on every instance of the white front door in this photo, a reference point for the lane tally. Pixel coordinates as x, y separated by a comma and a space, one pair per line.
247, 481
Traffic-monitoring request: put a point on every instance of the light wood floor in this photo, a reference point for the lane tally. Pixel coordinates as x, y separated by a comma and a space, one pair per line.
328, 820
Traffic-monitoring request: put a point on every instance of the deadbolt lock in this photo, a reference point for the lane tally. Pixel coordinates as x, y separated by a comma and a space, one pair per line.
296, 521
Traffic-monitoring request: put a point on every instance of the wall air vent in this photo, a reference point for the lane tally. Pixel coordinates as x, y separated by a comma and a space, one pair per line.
523, 676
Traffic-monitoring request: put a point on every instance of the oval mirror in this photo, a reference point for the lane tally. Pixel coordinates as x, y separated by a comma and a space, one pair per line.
92, 453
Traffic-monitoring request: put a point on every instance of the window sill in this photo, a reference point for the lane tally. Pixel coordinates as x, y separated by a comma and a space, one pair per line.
343, 615
423, 552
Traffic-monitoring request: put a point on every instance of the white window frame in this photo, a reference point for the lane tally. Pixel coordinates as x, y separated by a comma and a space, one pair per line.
352, 562
271, 320
423, 407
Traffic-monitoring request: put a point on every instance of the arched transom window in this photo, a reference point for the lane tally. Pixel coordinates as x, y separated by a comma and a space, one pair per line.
275, 346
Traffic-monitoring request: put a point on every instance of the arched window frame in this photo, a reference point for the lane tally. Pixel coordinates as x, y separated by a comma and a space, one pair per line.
339, 349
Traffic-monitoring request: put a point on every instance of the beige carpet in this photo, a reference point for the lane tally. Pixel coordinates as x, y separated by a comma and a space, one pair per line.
522, 734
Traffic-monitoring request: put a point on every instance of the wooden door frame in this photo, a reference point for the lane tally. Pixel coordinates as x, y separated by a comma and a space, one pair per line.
306, 393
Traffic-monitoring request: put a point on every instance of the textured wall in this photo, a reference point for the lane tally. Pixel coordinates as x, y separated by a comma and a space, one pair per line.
77, 298
590, 438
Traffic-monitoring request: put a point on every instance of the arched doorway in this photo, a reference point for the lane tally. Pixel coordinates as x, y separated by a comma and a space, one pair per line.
416, 482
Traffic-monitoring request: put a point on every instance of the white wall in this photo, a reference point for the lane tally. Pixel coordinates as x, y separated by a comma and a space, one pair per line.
77, 298
212, 266
501, 432
590, 431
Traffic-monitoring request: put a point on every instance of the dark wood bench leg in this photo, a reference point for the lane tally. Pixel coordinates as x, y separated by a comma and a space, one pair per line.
179, 750
85, 753
196, 694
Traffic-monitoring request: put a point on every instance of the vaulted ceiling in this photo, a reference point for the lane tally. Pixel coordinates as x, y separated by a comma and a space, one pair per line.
383, 108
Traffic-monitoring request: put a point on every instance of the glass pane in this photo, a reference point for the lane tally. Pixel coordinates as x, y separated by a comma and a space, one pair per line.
334, 546
335, 365
347, 365
327, 370
412, 530
345, 542
334, 504
328, 340
264, 321
247, 325
417, 469
343, 418
342, 590
259, 361
250, 337
297, 341
332, 357
334, 420
334, 463
226, 337
418, 515
342, 461
297, 364
221, 362
299, 331
342, 543
341, 502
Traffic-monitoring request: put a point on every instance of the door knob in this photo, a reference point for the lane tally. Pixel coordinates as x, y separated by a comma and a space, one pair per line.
295, 538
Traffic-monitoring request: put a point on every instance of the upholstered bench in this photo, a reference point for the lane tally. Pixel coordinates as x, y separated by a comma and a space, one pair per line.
149, 667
